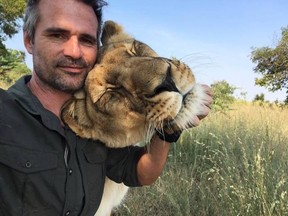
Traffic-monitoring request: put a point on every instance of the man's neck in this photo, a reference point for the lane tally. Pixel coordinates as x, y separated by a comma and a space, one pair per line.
50, 98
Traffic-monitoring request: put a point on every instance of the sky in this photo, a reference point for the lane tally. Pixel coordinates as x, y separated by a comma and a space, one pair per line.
215, 38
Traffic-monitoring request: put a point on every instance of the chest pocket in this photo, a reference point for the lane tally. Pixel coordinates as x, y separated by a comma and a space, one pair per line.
95, 152
27, 161
24, 175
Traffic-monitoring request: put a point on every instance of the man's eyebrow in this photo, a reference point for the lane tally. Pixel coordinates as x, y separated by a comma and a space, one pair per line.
55, 30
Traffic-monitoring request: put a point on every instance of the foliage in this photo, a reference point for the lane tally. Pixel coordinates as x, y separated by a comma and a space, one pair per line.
222, 95
233, 164
260, 97
12, 66
272, 64
10, 13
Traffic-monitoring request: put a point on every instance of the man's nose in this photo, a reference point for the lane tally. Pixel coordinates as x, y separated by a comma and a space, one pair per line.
72, 48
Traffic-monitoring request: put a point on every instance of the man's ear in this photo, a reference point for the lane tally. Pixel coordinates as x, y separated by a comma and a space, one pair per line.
28, 42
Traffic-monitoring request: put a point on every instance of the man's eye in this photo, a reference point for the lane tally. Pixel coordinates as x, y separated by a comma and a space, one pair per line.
57, 36
88, 42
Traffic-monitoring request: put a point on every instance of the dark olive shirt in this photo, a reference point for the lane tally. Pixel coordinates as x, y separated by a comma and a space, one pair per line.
45, 169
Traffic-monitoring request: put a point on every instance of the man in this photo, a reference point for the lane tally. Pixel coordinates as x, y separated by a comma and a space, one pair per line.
45, 169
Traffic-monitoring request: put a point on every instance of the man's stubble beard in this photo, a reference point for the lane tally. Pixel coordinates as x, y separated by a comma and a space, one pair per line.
54, 78
59, 82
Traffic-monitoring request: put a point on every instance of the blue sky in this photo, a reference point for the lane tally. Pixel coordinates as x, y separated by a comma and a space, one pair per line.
215, 38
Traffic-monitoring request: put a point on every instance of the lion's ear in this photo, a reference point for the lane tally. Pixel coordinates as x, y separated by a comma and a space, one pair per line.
110, 29
143, 49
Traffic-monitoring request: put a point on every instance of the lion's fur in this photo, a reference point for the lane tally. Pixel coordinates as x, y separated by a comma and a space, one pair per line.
129, 94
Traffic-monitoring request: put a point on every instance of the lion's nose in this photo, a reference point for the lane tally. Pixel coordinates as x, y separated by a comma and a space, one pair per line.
168, 84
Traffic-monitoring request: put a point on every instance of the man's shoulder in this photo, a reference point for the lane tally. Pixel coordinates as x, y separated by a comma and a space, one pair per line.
4, 95
19, 87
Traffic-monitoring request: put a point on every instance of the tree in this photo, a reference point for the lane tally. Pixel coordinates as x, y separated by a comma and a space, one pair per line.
10, 14
222, 95
272, 64
259, 97
12, 66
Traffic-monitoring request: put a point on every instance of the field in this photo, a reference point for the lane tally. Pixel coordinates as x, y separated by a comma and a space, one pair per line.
235, 163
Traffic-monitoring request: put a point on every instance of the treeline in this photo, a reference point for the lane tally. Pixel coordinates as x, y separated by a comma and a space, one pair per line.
12, 62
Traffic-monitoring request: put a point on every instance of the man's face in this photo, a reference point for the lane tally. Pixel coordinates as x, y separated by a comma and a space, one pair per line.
65, 44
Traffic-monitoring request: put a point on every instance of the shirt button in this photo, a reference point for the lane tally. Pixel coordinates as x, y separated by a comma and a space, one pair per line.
70, 171
28, 164
67, 213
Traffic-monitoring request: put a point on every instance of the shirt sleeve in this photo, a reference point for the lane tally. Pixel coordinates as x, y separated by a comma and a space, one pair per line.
122, 165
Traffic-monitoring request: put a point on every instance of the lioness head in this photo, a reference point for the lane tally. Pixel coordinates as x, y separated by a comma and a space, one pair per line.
131, 92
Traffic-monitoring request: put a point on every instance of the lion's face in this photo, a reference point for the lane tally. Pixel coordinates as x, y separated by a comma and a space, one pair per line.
131, 92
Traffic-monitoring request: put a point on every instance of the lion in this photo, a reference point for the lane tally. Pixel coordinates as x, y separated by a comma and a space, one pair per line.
138, 92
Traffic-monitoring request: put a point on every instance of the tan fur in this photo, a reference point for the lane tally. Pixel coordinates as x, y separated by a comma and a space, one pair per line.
129, 94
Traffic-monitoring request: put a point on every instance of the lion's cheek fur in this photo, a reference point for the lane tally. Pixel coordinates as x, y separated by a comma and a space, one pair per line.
99, 122
192, 106
163, 107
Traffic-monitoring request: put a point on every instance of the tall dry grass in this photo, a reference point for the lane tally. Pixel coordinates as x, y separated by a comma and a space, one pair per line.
233, 164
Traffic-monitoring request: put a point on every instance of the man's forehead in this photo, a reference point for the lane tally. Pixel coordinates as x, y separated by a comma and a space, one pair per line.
71, 15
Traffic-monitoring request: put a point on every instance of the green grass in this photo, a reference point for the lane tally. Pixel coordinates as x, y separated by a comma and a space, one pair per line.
232, 164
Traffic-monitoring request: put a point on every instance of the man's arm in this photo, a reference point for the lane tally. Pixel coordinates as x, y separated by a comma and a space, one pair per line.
151, 163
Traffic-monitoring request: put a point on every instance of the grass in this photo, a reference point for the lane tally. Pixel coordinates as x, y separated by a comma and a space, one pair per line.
233, 164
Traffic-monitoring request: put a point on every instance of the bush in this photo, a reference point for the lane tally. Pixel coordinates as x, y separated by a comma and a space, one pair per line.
222, 95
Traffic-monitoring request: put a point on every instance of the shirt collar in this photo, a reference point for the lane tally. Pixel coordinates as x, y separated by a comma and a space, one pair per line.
23, 95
